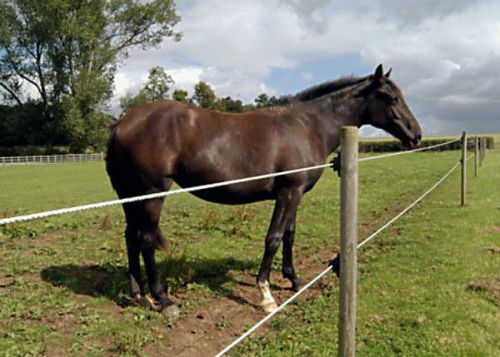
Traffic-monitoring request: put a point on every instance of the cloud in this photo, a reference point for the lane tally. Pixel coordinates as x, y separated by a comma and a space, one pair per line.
445, 54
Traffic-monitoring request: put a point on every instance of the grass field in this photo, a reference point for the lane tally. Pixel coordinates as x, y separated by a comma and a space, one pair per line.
427, 286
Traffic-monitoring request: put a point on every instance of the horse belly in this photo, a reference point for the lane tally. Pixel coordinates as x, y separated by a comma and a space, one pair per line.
234, 194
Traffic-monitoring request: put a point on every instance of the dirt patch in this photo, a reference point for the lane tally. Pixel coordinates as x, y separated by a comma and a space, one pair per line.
207, 330
486, 230
490, 284
50, 237
66, 324
6, 281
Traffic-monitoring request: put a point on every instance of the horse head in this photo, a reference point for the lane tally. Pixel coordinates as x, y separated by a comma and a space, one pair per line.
387, 109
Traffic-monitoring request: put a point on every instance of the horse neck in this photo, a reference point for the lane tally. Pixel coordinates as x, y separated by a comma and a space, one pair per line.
335, 111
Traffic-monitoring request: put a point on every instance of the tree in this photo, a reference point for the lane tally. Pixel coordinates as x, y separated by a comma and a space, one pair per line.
67, 51
263, 101
228, 104
181, 95
158, 84
204, 95
156, 88
129, 101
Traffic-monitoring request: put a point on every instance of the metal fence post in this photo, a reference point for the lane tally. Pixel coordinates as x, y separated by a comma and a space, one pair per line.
464, 169
476, 156
348, 239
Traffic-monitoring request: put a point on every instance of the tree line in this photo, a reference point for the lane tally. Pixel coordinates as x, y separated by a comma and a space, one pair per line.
160, 85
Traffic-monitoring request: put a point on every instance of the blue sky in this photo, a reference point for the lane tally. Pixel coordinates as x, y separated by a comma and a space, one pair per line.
309, 73
445, 54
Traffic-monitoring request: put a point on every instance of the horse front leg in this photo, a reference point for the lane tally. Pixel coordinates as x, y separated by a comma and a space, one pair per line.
283, 214
287, 268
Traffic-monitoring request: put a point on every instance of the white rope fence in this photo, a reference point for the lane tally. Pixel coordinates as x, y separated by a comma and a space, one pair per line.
150, 196
29, 217
324, 272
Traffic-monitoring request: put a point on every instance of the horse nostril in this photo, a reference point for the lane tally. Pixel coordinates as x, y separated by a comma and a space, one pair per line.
419, 137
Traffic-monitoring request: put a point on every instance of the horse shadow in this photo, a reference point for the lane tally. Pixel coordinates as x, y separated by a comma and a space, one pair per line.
112, 281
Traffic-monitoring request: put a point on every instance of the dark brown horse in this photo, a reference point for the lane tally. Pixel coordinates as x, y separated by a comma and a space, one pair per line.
167, 141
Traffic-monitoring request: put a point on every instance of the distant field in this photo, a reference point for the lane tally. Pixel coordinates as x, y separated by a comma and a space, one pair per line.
427, 286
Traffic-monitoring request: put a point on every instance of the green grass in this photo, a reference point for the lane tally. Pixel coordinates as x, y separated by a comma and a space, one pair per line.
413, 295
63, 279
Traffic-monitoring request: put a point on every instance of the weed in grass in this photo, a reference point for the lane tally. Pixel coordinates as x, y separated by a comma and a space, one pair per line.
106, 223
223, 325
210, 220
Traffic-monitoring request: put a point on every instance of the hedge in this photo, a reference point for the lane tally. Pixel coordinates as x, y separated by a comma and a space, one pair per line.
33, 150
389, 145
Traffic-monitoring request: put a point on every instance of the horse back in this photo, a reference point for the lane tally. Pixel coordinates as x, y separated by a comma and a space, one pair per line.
197, 146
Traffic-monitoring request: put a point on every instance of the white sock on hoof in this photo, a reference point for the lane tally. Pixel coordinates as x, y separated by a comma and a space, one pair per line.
268, 303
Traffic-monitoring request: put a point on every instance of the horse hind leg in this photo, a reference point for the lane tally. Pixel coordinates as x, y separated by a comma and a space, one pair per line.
143, 235
287, 269
132, 238
156, 288
152, 239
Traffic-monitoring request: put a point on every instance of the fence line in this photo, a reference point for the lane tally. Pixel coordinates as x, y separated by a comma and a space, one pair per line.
49, 159
320, 275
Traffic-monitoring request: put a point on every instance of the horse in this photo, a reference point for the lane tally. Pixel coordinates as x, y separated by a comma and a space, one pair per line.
166, 141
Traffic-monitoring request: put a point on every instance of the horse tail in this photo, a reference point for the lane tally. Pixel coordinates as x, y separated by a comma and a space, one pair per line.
127, 183
111, 158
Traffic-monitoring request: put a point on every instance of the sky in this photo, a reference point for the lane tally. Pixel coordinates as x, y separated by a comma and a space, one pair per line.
445, 54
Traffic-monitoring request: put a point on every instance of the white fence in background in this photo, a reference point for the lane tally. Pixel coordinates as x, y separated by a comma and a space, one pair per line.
49, 159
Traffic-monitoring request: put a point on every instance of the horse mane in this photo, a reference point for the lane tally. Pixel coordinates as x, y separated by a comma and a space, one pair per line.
320, 90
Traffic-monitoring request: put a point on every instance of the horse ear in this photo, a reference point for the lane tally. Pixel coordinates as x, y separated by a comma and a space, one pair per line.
379, 72
388, 74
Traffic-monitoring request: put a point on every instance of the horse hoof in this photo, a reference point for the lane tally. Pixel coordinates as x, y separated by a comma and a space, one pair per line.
143, 301
269, 307
172, 310
297, 284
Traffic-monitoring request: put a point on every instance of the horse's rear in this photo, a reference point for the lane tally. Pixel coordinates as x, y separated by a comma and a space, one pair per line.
135, 168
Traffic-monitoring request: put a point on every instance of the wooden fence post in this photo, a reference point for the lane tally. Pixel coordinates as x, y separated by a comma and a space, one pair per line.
348, 239
464, 169
485, 146
476, 156
480, 152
